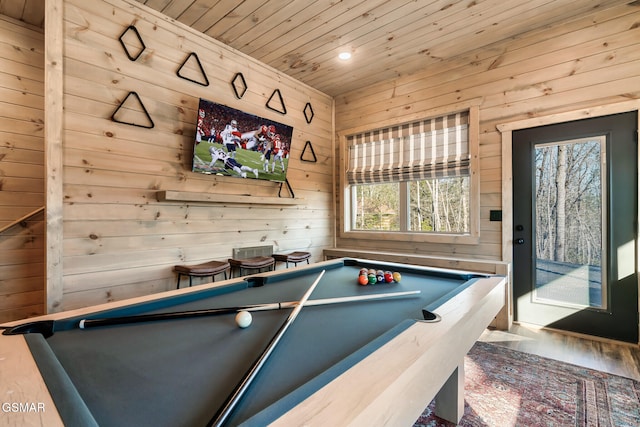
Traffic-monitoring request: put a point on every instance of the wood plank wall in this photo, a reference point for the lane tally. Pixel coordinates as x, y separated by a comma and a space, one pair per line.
587, 62
119, 241
21, 170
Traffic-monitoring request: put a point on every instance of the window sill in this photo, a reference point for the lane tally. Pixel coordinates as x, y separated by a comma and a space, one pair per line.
460, 239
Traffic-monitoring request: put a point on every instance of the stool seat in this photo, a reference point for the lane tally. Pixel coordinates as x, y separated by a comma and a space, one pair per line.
210, 268
293, 257
254, 263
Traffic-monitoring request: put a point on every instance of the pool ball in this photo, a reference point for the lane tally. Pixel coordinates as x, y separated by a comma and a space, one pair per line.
243, 319
372, 279
363, 279
364, 271
380, 278
397, 277
388, 277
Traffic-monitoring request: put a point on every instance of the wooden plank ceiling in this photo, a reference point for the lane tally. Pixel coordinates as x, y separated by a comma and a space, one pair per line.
387, 38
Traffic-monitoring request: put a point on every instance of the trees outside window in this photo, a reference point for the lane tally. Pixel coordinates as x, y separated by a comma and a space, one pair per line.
569, 202
434, 205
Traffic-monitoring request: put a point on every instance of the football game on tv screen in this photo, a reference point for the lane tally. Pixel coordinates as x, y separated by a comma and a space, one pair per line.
234, 143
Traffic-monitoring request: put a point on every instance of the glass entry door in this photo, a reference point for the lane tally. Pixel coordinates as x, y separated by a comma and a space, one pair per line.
570, 223
575, 198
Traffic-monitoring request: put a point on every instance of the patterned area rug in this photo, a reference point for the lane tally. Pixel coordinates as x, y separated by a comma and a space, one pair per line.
508, 388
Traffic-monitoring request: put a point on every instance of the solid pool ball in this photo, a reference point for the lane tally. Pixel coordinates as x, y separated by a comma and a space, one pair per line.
372, 279
397, 277
388, 277
243, 319
363, 279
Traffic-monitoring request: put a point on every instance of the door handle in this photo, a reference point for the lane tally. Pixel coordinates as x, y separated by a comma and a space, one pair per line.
519, 241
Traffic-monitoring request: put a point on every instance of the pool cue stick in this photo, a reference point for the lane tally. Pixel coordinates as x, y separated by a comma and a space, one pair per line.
356, 298
122, 320
233, 399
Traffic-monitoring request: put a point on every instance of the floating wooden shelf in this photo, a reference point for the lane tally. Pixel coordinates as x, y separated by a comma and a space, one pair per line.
185, 196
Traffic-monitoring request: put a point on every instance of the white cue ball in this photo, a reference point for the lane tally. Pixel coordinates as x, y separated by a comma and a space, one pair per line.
243, 319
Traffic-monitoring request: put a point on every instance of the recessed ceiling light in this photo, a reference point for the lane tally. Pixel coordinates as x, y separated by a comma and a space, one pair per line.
344, 55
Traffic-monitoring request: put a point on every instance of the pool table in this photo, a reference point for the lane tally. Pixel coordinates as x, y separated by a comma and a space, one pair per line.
372, 362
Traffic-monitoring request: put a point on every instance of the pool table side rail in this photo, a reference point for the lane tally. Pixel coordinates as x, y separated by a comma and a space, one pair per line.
267, 277
21, 382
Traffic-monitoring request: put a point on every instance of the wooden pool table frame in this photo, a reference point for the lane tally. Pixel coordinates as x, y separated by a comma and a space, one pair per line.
422, 362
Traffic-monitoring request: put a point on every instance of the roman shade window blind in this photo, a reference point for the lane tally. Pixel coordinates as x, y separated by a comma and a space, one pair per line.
426, 149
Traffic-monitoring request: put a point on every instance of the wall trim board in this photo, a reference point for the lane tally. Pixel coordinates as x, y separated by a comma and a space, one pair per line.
53, 130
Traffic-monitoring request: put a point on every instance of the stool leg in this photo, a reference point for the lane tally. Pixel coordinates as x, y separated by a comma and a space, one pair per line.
178, 284
190, 277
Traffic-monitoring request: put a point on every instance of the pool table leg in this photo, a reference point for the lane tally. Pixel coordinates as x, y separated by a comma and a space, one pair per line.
450, 398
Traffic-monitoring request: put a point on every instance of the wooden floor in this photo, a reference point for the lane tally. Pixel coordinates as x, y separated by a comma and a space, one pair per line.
608, 356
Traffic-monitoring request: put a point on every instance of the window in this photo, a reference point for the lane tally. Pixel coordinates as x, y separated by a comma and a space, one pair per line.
434, 205
412, 178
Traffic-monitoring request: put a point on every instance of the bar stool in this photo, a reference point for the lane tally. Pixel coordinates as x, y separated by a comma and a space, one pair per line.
211, 268
255, 263
293, 257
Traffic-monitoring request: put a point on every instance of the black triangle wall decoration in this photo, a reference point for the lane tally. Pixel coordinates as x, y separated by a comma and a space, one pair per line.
313, 153
204, 75
141, 105
283, 109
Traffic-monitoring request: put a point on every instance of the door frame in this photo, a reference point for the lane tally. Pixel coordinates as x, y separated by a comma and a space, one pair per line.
506, 130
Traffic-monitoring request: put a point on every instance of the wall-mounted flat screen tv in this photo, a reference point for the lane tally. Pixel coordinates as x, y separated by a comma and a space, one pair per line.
234, 143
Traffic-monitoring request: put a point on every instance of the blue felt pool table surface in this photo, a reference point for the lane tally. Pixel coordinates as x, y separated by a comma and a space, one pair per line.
179, 372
